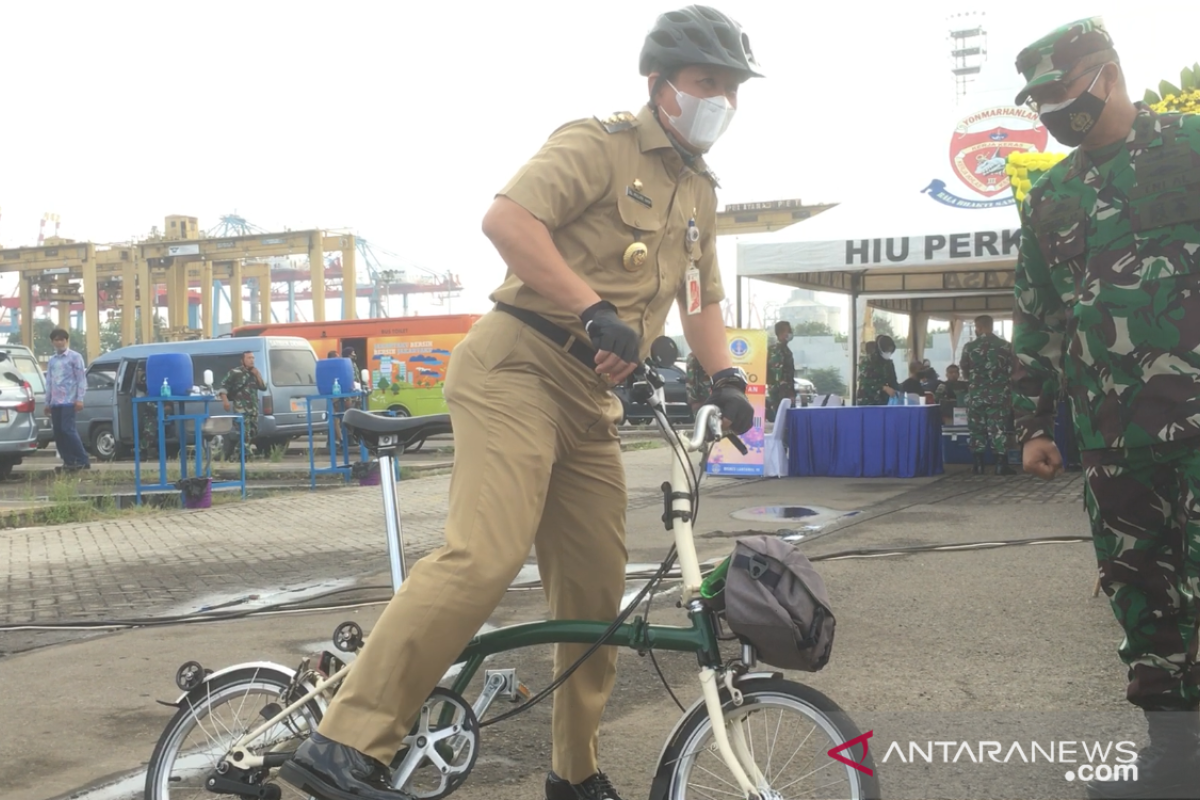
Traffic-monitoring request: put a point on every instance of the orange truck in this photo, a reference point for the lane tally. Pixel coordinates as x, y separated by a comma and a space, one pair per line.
407, 356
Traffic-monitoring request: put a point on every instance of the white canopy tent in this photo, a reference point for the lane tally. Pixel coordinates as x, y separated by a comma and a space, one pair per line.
911, 255
938, 238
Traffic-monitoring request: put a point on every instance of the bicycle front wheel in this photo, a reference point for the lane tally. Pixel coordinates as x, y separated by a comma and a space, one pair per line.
789, 730
207, 725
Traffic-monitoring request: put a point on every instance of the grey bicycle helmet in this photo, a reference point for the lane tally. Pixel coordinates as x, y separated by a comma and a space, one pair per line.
697, 35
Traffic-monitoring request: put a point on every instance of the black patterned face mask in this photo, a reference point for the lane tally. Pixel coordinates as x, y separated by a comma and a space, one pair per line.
1070, 122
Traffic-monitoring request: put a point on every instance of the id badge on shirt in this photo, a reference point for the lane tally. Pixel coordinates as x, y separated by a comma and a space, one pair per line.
692, 277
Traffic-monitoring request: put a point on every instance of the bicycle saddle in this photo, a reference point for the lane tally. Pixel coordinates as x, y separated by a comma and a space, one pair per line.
408, 430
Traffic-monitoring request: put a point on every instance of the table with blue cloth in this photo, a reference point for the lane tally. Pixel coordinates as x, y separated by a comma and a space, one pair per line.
865, 441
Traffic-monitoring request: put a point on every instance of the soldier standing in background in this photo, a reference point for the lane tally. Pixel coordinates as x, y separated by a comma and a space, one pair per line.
239, 392
876, 374
699, 385
987, 364
1107, 306
781, 369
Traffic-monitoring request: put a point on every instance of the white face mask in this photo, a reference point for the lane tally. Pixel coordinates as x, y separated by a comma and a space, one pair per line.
701, 121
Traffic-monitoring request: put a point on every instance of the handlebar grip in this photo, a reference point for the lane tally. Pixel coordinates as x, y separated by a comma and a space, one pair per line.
733, 437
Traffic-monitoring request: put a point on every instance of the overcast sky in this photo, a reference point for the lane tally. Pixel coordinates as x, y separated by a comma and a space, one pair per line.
399, 120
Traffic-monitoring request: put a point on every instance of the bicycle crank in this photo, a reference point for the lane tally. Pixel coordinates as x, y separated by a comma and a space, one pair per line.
441, 749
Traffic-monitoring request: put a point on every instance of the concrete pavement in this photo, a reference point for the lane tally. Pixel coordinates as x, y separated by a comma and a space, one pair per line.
989, 632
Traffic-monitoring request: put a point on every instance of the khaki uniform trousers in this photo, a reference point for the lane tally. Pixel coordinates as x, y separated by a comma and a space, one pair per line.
537, 464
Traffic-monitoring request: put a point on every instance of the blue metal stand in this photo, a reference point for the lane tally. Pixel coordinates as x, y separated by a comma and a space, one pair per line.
334, 467
181, 420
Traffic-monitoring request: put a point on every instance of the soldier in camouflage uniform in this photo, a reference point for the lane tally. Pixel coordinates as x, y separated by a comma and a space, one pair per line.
876, 374
148, 415
781, 369
1108, 306
239, 392
987, 364
699, 385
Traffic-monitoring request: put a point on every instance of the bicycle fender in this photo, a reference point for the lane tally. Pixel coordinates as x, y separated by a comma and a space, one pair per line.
260, 665
659, 792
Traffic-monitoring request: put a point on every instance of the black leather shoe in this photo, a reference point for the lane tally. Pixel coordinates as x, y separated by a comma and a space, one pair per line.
597, 787
331, 771
1169, 767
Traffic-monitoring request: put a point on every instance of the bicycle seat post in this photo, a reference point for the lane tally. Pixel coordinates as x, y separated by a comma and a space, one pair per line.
391, 510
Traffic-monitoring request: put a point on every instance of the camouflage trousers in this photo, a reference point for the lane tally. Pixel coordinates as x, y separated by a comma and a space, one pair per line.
988, 424
1144, 507
774, 395
230, 443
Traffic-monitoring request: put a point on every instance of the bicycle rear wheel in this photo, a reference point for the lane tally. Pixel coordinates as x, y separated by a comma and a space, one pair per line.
789, 730
206, 727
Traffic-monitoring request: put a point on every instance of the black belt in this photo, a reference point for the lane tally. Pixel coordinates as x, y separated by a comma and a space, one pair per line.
566, 340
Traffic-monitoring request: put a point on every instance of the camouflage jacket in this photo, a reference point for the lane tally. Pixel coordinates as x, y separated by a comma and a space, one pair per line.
987, 366
1108, 290
241, 387
781, 370
874, 374
699, 385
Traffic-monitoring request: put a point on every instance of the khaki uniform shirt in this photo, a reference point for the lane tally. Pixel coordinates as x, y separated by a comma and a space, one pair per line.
584, 186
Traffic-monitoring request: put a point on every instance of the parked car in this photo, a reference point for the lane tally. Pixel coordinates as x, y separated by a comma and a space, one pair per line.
26, 363
18, 409
287, 363
675, 391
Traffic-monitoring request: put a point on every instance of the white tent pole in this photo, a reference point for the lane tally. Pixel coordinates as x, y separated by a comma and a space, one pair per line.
852, 381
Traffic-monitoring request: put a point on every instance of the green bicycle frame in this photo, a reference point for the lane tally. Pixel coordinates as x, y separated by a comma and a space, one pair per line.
699, 638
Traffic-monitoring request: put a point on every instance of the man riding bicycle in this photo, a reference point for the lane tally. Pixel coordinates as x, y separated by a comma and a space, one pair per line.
601, 230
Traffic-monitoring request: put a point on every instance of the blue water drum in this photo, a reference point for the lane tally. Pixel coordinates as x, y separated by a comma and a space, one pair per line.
330, 368
175, 367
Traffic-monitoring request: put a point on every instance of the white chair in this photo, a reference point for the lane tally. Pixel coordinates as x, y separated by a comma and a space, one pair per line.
827, 400
775, 463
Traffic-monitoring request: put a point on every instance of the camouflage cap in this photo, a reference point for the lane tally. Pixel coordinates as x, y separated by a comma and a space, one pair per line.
1050, 58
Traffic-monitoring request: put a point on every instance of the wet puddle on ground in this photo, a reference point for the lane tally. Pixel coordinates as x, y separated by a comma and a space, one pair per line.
807, 520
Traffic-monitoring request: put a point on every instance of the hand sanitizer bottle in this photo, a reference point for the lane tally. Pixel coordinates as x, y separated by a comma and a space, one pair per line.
337, 386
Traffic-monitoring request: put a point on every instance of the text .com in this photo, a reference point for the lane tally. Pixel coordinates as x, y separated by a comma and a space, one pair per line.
1086, 761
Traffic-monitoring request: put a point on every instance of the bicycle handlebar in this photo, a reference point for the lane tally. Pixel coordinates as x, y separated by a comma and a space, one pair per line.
708, 417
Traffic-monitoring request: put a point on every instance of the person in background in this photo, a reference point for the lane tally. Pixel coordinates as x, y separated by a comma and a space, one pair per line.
953, 389
876, 376
338, 405
781, 369
239, 392
912, 385
929, 379
988, 364
66, 384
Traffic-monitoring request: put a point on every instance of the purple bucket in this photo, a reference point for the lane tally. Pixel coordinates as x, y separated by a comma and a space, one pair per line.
370, 479
203, 501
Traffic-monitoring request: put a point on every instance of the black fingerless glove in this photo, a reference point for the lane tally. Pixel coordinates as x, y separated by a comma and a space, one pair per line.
729, 395
608, 333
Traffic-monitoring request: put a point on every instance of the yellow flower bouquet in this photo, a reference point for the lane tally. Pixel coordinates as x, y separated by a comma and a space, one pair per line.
1024, 169
1170, 98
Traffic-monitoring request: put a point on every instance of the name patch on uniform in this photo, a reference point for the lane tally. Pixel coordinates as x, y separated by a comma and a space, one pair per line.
1166, 209
638, 196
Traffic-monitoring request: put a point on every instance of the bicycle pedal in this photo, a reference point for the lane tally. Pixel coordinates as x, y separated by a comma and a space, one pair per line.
521, 694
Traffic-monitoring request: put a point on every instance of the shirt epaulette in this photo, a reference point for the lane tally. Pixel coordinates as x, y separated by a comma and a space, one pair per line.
620, 121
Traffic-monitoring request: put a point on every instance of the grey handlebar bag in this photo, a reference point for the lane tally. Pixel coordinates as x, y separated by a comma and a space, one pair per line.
776, 600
